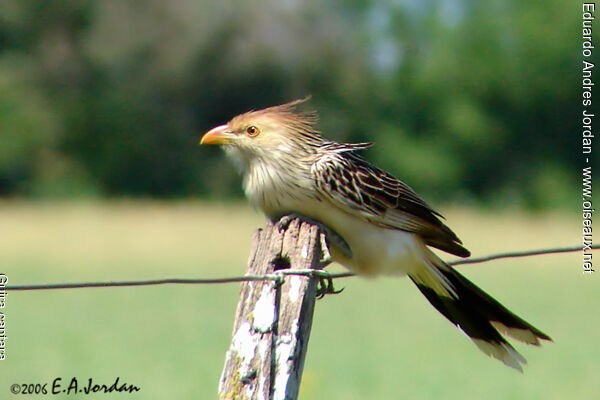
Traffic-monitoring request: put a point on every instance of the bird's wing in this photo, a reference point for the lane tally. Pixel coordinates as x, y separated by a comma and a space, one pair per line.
355, 186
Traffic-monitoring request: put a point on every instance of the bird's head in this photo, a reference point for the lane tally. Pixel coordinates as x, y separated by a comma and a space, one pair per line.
267, 135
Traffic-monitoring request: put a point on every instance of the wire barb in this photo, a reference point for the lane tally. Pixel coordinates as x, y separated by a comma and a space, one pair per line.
278, 277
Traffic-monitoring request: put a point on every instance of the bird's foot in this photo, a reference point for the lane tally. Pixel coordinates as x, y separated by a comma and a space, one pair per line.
328, 236
284, 222
325, 287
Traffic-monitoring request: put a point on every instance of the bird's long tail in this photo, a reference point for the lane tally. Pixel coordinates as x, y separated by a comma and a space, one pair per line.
475, 312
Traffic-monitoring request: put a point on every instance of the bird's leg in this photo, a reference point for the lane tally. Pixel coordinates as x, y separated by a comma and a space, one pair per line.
334, 238
330, 236
326, 258
327, 236
325, 285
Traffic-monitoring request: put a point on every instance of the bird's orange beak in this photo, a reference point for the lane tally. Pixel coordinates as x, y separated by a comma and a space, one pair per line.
219, 135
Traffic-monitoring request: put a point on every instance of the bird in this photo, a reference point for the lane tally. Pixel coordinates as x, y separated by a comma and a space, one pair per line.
288, 167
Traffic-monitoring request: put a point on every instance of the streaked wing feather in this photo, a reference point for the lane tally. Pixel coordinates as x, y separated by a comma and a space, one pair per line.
354, 185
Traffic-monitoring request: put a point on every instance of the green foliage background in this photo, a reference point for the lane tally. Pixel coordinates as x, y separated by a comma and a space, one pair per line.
468, 101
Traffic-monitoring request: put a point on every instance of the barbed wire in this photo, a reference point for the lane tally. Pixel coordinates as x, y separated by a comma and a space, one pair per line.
278, 276
517, 254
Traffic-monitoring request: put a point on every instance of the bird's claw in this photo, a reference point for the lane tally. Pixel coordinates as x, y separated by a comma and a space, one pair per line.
284, 222
325, 287
328, 236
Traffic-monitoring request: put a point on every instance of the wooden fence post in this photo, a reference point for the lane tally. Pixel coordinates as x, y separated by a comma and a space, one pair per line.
273, 318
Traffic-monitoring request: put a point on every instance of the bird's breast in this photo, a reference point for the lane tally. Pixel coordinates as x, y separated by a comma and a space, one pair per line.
277, 190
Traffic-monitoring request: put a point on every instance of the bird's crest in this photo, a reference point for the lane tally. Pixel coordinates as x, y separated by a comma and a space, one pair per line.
288, 116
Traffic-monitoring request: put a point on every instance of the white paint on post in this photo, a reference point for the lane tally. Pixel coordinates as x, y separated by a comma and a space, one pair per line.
263, 352
244, 344
264, 310
283, 374
295, 328
304, 251
295, 287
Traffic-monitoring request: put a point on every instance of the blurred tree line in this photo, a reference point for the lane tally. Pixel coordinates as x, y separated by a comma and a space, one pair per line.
467, 101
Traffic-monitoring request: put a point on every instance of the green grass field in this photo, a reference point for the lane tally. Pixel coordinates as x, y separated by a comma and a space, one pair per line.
379, 339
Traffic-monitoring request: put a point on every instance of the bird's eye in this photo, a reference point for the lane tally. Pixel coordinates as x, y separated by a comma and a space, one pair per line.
252, 130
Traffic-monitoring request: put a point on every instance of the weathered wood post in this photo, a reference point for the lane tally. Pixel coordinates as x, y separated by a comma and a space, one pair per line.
273, 317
